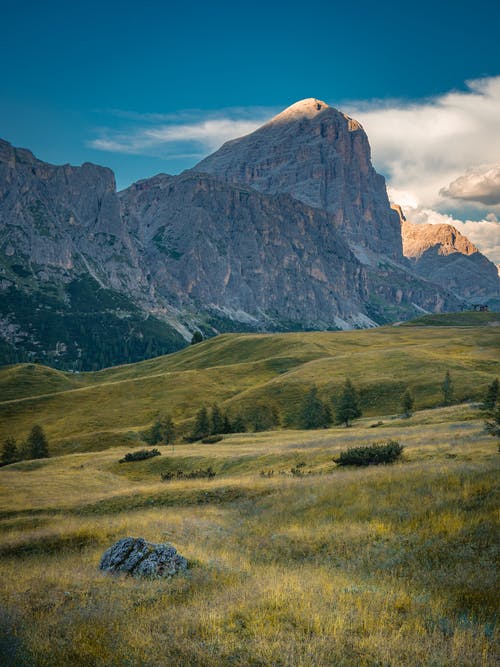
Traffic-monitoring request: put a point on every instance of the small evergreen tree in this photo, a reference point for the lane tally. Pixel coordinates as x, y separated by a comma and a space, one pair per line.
38, 447
216, 420
238, 425
407, 402
162, 431
168, 430
447, 389
227, 427
197, 338
155, 434
201, 426
491, 396
348, 408
314, 413
9, 452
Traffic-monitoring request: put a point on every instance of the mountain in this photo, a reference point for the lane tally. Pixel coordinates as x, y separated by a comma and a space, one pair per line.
70, 273
445, 256
288, 228
321, 157
232, 257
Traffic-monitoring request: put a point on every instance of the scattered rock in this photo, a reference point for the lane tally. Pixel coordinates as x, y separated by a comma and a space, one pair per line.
139, 558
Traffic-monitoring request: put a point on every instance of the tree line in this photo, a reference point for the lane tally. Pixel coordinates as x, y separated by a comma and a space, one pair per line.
312, 413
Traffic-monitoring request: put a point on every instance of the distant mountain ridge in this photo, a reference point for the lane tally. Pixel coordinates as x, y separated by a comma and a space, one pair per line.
288, 228
447, 257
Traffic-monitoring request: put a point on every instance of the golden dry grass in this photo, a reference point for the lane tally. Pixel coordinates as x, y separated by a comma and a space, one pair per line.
391, 565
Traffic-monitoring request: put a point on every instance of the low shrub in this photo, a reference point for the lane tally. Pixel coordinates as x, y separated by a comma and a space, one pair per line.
375, 454
194, 474
140, 455
211, 439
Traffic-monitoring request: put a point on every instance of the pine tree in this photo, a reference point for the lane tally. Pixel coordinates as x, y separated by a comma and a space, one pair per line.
201, 426
155, 432
407, 402
314, 413
491, 396
168, 430
447, 389
197, 338
348, 408
238, 425
216, 420
227, 427
9, 452
38, 447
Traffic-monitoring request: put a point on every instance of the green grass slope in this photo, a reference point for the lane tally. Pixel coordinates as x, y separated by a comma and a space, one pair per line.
109, 407
465, 319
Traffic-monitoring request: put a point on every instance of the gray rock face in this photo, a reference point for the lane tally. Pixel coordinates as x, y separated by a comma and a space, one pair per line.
321, 157
443, 255
265, 261
64, 221
139, 558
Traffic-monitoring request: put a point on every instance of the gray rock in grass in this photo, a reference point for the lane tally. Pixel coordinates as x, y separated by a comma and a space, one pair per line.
139, 558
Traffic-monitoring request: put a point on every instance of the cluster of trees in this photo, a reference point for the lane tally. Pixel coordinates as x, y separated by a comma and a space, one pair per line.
315, 413
36, 446
214, 422
162, 432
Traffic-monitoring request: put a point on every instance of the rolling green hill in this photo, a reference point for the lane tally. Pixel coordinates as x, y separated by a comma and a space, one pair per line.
89, 411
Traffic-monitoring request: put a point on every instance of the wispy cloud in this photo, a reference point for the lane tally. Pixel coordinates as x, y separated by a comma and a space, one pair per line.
189, 133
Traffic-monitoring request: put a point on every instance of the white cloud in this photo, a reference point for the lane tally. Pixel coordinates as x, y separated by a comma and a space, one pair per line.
442, 154
424, 146
480, 185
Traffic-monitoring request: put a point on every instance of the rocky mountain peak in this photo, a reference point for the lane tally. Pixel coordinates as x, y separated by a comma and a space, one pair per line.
307, 108
442, 254
446, 238
321, 157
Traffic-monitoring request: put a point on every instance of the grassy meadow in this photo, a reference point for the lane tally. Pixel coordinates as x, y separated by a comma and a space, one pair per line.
379, 566
98, 410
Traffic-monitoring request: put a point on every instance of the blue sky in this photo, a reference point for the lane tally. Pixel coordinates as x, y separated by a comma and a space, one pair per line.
153, 86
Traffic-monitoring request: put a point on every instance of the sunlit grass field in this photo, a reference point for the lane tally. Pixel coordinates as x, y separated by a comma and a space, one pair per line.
387, 565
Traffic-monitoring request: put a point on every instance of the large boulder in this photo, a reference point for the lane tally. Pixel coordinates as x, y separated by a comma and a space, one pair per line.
139, 558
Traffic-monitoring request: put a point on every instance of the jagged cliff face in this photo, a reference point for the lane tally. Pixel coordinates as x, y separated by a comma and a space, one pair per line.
321, 157
232, 252
64, 221
443, 255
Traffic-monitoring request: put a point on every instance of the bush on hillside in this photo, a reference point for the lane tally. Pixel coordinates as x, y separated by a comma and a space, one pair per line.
375, 454
140, 455
194, 474
211, 439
